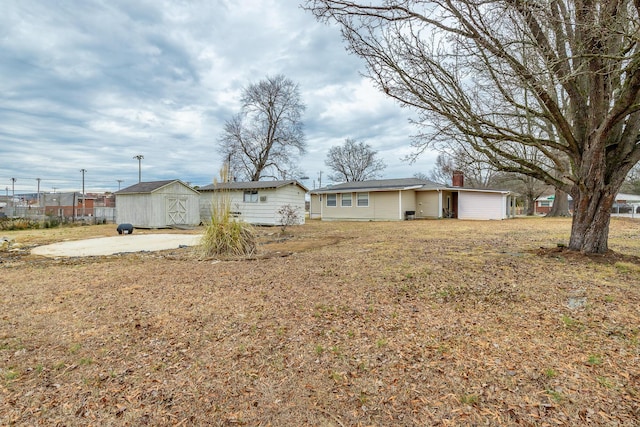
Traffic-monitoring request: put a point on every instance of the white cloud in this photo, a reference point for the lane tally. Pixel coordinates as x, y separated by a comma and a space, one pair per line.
90, 84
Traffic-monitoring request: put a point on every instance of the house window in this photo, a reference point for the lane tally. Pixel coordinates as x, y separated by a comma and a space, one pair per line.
544, 203
332, 200
363, 199
346, 200
250, 196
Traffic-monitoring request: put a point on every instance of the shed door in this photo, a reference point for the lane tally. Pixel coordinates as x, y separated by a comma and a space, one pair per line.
176, 210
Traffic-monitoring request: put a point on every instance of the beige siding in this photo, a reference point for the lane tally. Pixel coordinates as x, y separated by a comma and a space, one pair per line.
383, 206
386, 205
408, 202
315, 207
427, 204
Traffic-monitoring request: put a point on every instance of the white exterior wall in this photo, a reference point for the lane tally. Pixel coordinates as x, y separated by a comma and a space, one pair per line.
472, 205
261, 212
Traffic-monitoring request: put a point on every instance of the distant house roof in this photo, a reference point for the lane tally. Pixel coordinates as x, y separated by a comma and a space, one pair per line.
398, 184
149, 187
379, 185
250, 185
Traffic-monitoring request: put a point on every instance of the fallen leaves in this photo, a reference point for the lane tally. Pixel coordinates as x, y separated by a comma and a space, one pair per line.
411, 323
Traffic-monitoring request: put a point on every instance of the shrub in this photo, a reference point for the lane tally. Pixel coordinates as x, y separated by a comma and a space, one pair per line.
288, 216
225, 235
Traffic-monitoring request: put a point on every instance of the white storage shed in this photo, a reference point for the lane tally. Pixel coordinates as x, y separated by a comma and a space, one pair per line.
158, 204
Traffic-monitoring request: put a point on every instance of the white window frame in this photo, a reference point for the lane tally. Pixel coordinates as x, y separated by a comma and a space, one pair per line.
332, 197
358, 200
250, 196
344, 199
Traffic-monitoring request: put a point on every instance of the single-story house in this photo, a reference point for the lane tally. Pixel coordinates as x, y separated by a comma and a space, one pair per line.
407, 198
256, 202
158, 204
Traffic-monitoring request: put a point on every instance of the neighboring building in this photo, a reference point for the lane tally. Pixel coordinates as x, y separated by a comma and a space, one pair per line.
158, 204
256, 202
68, 205
624, 205
408, 198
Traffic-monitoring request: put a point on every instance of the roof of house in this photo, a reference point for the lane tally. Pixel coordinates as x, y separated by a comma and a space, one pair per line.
379, 185
250, 185
398, 184
149, 187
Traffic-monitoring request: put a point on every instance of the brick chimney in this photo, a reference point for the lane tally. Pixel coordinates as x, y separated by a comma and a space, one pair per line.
458, 179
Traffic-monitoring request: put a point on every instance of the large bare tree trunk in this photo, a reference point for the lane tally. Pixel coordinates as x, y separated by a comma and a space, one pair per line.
591, 217
560, 205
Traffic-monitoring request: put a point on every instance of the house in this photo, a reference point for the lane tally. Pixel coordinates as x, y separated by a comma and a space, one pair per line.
256, 202
68, 205
158, 204
408, 198
624, 204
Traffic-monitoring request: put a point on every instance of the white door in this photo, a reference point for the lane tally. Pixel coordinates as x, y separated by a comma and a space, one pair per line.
176, 210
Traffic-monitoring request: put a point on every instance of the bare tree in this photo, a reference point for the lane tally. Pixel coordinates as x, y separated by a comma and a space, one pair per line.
632, 182
478, 173
482, 69
266, 137
353, 161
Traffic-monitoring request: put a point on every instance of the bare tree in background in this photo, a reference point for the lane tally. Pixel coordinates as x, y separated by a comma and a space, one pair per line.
266, 138
477, 173
353, 161
481, 70
632, 182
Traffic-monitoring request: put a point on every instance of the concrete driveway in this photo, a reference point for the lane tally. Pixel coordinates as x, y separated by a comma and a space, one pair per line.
117, 244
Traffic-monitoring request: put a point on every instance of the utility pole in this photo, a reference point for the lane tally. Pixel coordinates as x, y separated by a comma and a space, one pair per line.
13, 192
119, 182
38, 179
320, 179
83, 198
139, 157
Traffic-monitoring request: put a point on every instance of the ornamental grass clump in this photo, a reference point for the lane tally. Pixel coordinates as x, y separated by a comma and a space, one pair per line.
225, 236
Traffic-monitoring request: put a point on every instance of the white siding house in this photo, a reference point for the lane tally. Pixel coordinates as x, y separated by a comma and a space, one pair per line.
158, 204
407, 198
255, 202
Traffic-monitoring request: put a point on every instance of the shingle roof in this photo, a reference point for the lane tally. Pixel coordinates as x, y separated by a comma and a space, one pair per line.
380, 185
146, 187
250, 185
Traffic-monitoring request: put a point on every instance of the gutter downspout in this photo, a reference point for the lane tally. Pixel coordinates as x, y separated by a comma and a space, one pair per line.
400, 205
439, 203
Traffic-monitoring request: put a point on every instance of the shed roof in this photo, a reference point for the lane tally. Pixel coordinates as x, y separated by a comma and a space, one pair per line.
150, 187
251, 185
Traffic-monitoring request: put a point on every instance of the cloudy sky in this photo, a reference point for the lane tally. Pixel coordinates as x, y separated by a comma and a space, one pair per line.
89, 84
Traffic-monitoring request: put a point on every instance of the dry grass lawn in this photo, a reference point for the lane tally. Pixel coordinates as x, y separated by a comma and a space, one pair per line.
344, 324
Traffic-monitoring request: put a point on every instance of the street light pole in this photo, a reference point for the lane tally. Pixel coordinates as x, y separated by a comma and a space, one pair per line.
83, 198
139, 157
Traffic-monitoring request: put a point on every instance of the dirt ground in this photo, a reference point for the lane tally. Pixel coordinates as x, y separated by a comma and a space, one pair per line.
339, 324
